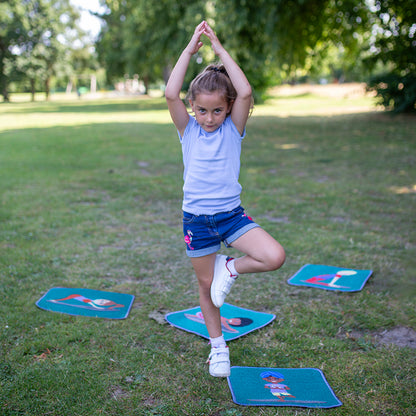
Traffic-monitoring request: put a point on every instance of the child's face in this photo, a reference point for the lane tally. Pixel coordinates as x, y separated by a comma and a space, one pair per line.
210, 110
273, 380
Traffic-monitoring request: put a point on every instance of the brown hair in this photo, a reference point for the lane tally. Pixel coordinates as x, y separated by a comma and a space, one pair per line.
212, 78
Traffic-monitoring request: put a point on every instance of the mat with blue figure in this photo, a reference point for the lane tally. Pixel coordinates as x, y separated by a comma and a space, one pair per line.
87, 302
330, 278
303, 387
235, 321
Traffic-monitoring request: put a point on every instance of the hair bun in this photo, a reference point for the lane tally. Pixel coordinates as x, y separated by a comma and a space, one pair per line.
217, 69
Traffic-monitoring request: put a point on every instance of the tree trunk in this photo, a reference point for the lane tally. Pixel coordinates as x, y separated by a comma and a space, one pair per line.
5, 95
146, 84
32, 89
47, 89
3, 77
4, 90
167, 70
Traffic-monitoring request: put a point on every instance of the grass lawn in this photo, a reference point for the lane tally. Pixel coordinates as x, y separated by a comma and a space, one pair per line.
91, 197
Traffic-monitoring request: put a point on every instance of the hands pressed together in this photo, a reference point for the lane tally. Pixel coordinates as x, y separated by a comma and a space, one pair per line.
242, 103
204, 29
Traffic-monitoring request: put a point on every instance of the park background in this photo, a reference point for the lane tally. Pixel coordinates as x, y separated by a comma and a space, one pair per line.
90, 185
131, 46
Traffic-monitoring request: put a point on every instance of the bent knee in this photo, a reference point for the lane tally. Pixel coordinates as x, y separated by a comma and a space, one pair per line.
275, 259
205, 285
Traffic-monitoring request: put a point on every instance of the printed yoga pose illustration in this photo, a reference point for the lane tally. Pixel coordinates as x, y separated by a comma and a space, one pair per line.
229, 325
273, 381
221, 99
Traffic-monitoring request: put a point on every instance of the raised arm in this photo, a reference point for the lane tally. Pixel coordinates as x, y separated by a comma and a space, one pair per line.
177, 108
242, 104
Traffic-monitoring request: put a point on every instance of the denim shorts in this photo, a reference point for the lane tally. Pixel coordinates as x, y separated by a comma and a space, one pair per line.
204, 233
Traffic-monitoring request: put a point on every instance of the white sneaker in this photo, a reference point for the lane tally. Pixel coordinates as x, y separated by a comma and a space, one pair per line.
222, 280
219, 362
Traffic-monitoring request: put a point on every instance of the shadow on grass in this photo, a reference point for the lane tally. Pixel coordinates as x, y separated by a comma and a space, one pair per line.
318, 168
287, 97
98, 206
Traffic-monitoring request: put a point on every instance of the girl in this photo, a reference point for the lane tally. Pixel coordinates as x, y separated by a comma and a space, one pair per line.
221, 99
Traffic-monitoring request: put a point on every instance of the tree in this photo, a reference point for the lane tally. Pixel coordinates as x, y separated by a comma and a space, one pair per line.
32, 39
283, 36
12, 35
273, 38
157, 32
394, 45
144, 37
50, 22
110, 44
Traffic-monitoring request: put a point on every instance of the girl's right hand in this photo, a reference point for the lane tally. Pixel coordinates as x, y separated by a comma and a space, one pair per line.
195, 43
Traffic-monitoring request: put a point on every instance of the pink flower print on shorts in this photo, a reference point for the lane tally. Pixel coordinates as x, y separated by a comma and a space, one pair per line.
188, 239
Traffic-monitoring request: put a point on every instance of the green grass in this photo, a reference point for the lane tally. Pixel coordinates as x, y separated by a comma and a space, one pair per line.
91, 197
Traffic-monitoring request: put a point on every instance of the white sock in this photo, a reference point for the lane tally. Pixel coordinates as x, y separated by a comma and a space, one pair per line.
218, 342
231, 267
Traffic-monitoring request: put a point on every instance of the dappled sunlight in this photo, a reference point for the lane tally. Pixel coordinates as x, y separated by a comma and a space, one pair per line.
51, 119
346, 90
91, 197
73, 97
320, 100
302, 100
314, 106
76, 112
286, 146
399, 190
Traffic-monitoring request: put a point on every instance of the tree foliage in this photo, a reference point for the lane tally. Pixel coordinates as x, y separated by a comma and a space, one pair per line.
269, 39
145, 37
272, 40
111, 44
32, 40
12, 34
277, 38
283, 36
269, 36
394, 45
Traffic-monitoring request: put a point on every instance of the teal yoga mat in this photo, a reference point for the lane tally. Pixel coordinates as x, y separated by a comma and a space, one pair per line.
87, 302
236, 321
303, 387
330, 278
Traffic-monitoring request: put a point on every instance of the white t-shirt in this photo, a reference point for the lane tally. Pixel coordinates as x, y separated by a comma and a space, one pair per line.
211, 168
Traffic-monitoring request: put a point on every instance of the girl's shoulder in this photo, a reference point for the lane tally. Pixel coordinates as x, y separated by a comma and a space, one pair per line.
192, 129
229, 124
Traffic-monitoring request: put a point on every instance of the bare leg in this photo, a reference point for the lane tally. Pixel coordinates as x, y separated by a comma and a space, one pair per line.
204, 269
262, 252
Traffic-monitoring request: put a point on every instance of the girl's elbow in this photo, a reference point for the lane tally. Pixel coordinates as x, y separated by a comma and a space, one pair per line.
171, 92
246, 93
170, 95
249, 91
